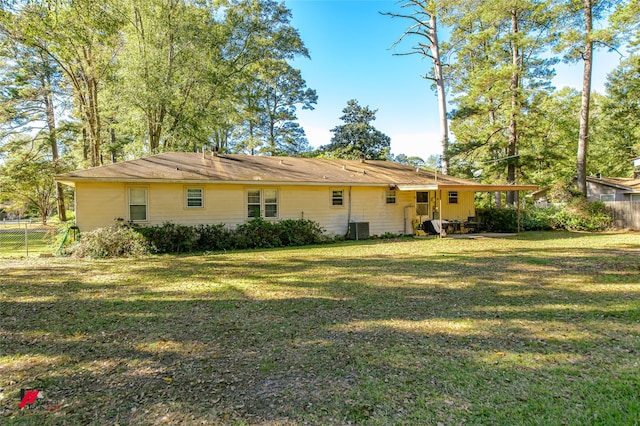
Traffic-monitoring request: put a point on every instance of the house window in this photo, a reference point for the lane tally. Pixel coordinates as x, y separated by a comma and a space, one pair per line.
337, 197
607, 197
253, 203
137, 204
262, 202
422, 203
635, 197
390, 197
194, 197
270, 203
453, 197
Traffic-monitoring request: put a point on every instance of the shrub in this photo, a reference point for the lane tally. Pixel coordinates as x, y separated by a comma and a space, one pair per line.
538, 219
257, 233
583, 215
498, 220
113, 241
173, 238
169, 237
578, 215
213, 237
299, 232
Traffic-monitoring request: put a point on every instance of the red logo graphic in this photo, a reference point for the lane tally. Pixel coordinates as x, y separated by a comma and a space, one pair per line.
28, 397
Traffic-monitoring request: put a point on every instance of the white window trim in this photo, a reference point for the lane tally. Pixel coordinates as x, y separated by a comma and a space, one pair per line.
605, 197
262, 205
332, 198
390, 194
146, 204
186, 197
265, 204
456, 197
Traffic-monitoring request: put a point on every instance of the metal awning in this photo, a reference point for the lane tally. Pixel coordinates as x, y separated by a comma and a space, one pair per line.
464, 187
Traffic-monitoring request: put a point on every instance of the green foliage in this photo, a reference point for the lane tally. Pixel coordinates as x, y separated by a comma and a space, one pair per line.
155, 75
499, 67
357, 137
173, 238
71, 217
577, 215
538, 219
583, 215
269, 111
28, 183
498, 220
257, 233
299, 232
616, 137
214, 237
113, 241
169, 237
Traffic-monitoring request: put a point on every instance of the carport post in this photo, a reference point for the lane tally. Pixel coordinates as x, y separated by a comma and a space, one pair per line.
518, 212
440, 211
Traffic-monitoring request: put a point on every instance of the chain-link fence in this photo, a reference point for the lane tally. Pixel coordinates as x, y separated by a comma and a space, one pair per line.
24, 238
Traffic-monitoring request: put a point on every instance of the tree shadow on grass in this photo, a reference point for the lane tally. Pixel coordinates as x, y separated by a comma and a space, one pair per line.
373, 339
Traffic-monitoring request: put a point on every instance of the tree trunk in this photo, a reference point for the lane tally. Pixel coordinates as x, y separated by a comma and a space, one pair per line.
53, 141
155, 120
513, 129
94, 128
583, 139
442, 99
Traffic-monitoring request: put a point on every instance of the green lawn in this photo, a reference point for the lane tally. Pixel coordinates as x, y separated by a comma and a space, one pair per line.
538, 329
13, 244
41, 239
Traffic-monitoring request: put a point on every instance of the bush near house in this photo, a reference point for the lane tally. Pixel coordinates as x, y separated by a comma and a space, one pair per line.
114, 241
120, 240
583, 215
577, 215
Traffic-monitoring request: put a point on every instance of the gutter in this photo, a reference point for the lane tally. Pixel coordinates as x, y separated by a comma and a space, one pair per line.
73, 181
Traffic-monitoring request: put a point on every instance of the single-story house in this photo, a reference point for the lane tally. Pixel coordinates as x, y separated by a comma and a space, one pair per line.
206, 188
613, 189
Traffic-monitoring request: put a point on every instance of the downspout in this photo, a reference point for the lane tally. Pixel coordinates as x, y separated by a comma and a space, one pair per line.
348, 214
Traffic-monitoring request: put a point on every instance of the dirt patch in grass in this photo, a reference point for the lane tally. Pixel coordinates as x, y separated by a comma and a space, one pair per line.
543, 328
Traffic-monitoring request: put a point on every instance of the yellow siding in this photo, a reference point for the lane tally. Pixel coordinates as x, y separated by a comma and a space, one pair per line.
367, 205
221, 204
460, 211
98, 204
439, 202
314, 203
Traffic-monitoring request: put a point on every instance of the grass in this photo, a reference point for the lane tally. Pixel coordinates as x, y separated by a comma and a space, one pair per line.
543, 328
39, 240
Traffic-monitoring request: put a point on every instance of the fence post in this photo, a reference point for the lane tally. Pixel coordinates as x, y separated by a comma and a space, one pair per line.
26, 238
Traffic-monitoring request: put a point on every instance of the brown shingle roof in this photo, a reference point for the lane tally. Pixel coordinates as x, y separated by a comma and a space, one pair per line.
629, 184
234, 168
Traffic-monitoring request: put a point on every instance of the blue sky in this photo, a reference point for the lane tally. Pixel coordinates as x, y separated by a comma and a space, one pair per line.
350, 44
